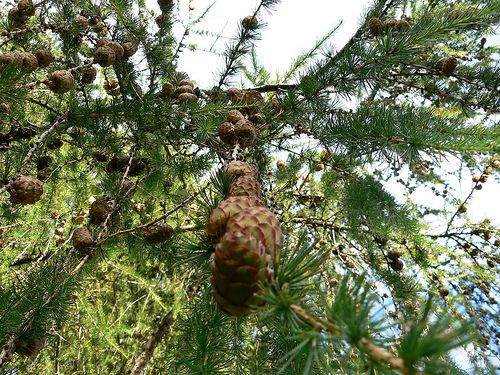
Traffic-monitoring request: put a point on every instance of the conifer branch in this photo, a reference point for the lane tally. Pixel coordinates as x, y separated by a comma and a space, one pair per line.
149, 347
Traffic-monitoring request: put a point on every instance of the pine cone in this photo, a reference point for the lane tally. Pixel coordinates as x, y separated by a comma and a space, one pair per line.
44, 57
99, 211
245, 186
186, 82
448, 65
82, 239
129, 48
236, 95
116, 47
391, 24
28, 347
166, 5
167, 90
89, 75
245, 132
216, 225
158, 234
163, 19
250, 23
5, 107
26, 7
187, 98
29, 61
376, 26
60, 81
26, 190
259, 222
182, 90
397, 264
81, 22
233, 116
252, 97
104, 56
226, 133
238, 168
239, 264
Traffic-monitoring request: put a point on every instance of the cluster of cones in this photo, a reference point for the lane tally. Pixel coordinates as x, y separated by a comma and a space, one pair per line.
249, 237
378, 27
183, 93
237, 129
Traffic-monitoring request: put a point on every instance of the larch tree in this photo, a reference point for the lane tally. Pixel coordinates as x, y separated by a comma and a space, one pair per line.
147, 225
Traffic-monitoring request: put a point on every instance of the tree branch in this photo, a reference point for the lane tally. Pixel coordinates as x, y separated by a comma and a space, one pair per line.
147, 352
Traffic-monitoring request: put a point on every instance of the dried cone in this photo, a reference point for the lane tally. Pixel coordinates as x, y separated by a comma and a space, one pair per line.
448, 65
82, 239
259, 222
28, 347
229, 207
391, 24
186, 82
376, 26
397, 264
25, 190
226, 133
233, 116
44, 57
129, 48
99, 211
104, 56
252, 97
239, 265
116, 47
245, 186
238, 168
28, 61
250, 23
183, 89
89, 74
234, 94
60, 81
187, 98
167, 90
245, 132
158, 234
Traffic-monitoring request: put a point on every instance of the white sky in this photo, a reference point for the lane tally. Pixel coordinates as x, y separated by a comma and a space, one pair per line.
292, 28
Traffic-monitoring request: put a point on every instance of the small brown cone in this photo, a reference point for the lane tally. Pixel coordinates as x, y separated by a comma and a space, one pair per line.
186, 97
216, 225
82, 239
235, 94
245, 186
397, 265
129, 48
448, 65
158, 234
89, 75
99, 211
259, 222
25, 190
104, 56
245, 132
186, 82
250, 23
226, 133
28, 347
376, 26
44, 57
233, 116
239, 265
60, 81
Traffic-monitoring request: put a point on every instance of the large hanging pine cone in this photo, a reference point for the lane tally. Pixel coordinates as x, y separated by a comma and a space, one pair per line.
26, 190
99, 211
259, 222
60, 81
245, 186
82, 239
158, 234
216, 225
238, 168
239, 264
